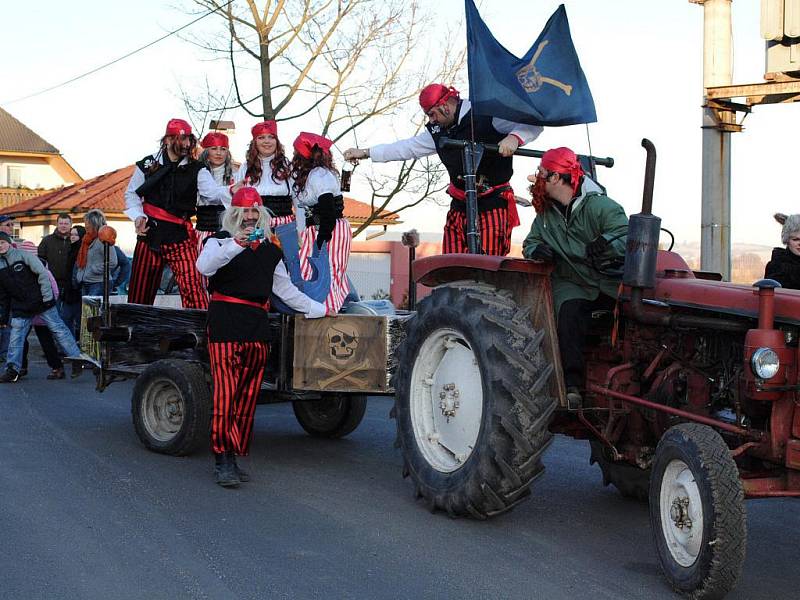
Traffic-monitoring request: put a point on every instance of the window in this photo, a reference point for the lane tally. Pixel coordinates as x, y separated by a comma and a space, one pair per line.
14, 177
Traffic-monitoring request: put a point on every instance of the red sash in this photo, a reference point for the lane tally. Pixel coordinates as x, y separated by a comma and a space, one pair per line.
219, 297
162, 215
505, 192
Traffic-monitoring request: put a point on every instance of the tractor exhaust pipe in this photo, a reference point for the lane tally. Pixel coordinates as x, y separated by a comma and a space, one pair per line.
641, 253
641, 249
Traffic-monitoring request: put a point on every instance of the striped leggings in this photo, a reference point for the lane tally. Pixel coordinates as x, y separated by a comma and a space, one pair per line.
492, 226
338, 256
148, 267
237, 370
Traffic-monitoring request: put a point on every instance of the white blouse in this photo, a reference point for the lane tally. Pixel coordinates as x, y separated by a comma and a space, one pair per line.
266, 185
320, 181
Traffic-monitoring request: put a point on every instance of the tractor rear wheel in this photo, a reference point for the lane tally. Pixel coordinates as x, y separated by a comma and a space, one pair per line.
472, 400
697, 511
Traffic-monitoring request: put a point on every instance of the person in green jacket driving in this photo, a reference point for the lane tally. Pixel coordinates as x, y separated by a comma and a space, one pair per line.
581, 230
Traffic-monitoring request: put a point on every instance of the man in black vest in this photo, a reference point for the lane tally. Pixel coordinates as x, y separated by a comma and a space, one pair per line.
449, 116
161, 199
244, 266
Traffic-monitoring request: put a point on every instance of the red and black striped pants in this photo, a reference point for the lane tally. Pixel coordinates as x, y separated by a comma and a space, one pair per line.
148, 266
492, 226
237, 370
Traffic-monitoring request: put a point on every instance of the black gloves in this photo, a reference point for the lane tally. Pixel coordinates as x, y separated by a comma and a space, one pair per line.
597, 247
543, 252
48, 304
326, 213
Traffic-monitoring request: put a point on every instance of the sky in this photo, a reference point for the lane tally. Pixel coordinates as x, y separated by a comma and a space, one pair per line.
642, 58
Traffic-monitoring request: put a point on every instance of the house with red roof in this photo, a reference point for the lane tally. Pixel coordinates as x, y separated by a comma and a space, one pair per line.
29, 165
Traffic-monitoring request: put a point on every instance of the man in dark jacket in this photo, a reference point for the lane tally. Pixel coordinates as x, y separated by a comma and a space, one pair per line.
54, 251
25, 292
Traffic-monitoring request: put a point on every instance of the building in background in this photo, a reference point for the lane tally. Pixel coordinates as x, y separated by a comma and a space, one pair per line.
29, 165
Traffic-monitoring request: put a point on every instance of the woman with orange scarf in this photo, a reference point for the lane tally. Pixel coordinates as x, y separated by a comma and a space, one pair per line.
89, 267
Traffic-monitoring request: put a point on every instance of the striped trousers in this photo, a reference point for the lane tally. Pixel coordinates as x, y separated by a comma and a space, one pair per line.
338, 256
492, 225
148, 266
237, 370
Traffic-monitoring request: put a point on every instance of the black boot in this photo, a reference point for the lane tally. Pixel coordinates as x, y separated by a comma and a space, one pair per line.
244, 476
225, 471
10, 376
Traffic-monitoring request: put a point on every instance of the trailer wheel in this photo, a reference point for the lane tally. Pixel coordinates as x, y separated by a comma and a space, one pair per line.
472, 402
171, 407
334, 416
631, 481
697, 511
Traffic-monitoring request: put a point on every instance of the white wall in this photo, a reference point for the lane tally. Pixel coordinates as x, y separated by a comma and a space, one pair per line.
36, 173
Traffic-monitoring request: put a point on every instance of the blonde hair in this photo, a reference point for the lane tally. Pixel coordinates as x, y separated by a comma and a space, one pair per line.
233, 219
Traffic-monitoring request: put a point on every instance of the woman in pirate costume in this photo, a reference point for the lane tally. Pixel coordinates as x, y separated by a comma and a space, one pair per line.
243, 266
267, 170
216, 157
317, 193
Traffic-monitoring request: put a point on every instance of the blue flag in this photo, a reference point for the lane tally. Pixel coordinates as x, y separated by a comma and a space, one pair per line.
545, 87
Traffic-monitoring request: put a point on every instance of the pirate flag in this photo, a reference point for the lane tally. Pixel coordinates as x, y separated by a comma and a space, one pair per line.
545, 87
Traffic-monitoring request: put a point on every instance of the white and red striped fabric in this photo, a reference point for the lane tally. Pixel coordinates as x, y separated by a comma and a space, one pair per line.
338, 257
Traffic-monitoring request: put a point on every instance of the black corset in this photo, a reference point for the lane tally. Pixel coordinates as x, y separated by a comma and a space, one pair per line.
208, 217
279, 206
312, 218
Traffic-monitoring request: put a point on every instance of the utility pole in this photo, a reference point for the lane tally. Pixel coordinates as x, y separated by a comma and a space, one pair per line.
780, 27
715, 218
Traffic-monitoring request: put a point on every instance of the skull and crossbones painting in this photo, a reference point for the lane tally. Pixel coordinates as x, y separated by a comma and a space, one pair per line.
532, 80
342, 341
342, 346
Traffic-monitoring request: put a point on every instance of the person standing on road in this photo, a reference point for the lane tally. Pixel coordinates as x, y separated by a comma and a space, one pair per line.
317, 193
25, 292
243, 269
54, 251
89, 264
450, 116
784, 266
578, 228
161, 199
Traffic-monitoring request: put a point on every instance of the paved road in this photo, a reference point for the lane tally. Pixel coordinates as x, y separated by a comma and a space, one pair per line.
86, 512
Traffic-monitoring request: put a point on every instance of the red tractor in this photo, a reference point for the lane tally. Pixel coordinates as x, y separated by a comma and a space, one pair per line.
691, 395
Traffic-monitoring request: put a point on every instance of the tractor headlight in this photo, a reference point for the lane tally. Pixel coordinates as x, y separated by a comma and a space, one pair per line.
765, 363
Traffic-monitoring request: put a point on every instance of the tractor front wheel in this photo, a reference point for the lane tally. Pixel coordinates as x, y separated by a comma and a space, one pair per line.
697, 511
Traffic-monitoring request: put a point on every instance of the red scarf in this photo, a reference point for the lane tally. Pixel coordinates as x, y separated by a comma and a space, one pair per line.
83, 253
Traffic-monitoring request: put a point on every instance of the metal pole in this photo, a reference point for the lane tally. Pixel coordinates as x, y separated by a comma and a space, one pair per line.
715, 234
106, 285
412, 285
473, 236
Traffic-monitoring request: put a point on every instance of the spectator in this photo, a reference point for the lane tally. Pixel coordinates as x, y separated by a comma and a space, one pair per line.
54, 251
89, 266
120, 276
25, 292
784, 266
71, 301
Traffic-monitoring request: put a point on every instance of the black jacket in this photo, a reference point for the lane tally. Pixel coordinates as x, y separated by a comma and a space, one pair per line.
784, 267
25, 289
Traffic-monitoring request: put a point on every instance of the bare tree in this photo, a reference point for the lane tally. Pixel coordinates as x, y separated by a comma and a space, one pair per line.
347, 61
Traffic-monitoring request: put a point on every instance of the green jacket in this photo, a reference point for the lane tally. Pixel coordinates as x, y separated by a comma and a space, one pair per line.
593, 214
